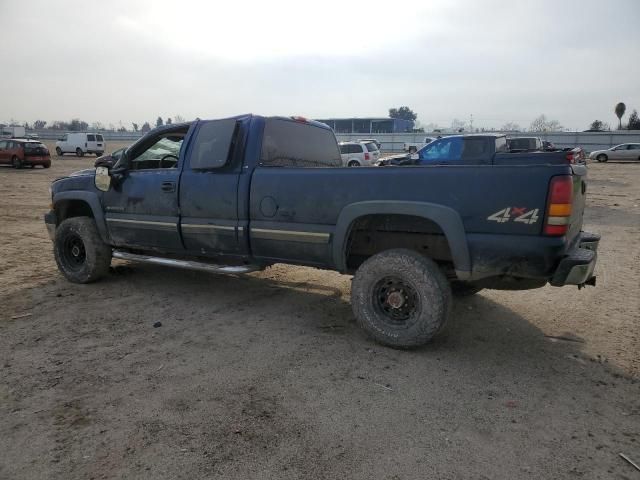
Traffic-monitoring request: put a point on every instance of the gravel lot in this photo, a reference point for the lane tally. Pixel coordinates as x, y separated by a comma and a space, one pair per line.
266, 376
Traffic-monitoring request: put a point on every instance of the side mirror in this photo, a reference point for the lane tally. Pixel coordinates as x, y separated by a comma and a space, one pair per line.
107, 161
414, 156
102, 179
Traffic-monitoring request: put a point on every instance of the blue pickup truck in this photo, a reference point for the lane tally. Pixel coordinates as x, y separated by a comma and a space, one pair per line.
239, 194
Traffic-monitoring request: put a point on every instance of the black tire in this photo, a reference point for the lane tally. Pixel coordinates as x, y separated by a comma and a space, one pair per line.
413, 149
353, 163
46, 165
400, 298
602, 158
59, 151
79, 152
464, 289
16, 162
80, 253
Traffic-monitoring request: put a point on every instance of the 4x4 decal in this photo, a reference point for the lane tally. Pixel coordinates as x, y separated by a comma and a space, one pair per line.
516, 214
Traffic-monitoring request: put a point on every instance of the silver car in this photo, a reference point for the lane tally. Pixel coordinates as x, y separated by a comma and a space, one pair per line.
626, 151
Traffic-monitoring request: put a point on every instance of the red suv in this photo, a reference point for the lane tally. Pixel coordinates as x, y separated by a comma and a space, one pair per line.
19, 153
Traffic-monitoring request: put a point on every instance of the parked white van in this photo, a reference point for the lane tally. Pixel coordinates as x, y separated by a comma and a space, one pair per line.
80, 143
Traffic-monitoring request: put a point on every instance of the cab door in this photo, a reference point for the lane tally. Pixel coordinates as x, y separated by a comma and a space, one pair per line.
208, 196
141, 208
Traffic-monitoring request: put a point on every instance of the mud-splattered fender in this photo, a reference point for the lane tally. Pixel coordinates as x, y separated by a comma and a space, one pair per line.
91, 199
447, 219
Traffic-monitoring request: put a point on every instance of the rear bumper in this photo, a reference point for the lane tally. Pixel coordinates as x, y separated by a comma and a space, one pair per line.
37, 160
578, 266
51, 221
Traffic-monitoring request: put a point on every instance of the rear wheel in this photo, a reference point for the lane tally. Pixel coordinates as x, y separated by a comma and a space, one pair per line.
602, 158
46, 165
400, 298
16, 162
353, 163
413, 149
79, 152
59, 151
80, 253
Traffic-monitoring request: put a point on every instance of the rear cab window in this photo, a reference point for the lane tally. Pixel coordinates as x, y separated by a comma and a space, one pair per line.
99, 138
289, 143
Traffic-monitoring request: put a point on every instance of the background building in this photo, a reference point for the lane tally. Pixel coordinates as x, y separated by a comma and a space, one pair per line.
368, 125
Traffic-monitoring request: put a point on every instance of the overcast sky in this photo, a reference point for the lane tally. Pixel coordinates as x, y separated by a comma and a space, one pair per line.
500, 61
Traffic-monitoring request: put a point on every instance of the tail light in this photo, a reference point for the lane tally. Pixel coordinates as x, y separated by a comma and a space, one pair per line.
575, 156
559, 206
366, 156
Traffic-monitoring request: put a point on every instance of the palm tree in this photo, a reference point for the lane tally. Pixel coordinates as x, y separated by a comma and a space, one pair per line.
620, 109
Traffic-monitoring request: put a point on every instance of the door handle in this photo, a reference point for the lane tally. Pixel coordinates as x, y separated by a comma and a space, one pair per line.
168, 186
285, 212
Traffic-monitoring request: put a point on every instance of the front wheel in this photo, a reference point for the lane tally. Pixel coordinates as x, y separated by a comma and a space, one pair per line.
602, 158
59, 151
413, 149
80, 253
16, 162
400, 298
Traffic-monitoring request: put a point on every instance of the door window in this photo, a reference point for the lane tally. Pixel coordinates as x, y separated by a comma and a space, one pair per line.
443, 150
3, 145
163, 153
213, 144
91, 138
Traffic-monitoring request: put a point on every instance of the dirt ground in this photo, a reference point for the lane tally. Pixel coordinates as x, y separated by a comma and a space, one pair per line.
267, 376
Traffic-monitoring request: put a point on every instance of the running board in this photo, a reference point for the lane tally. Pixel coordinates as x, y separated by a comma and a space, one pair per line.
188, 264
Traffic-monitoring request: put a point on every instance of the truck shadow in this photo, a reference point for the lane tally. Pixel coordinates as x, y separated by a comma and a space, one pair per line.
479, 332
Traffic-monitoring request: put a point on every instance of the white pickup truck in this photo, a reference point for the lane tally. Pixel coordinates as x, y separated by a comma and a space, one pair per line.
414, 147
